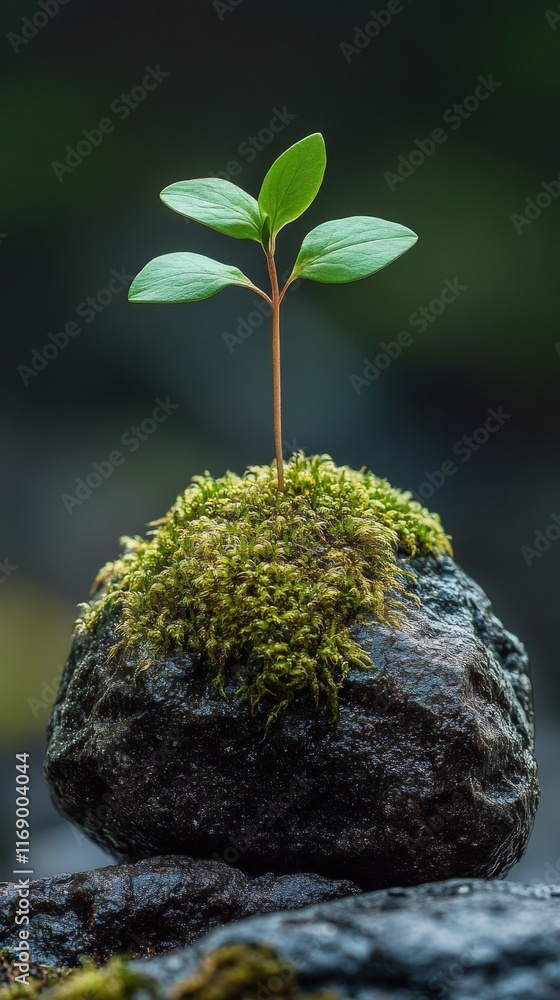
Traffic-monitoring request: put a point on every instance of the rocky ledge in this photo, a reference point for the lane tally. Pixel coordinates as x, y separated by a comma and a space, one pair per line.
460, 940
147, 908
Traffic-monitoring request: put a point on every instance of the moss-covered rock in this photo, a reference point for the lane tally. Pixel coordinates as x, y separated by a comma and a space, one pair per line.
238, 573
428, 773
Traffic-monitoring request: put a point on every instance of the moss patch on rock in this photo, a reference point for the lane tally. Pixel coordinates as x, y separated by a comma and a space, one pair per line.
243, 972
234, 972
266, 586
115, 981
41, 978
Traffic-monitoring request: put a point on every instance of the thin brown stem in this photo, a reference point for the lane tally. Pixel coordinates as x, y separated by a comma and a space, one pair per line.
262, 294
276, 369
286, 286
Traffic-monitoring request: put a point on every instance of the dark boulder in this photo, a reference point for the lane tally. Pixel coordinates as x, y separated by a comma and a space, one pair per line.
148, 908
430, 773
459, 940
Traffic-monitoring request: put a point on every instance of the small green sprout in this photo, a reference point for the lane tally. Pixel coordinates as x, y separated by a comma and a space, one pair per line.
334, 252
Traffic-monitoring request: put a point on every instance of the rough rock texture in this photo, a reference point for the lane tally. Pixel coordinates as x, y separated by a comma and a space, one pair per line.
148, 908
462, 940
429, 775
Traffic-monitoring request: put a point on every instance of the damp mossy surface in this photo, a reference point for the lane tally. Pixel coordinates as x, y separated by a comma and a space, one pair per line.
234, 972
265, 586
115, 981
243, 972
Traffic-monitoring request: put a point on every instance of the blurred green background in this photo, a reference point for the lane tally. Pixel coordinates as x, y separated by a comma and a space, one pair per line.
230, 68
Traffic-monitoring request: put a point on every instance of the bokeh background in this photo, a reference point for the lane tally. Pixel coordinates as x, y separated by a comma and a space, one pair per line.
229, 69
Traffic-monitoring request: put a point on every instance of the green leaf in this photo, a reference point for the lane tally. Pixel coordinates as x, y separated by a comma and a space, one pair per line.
183, 277
349, 249
216, 203
293, 181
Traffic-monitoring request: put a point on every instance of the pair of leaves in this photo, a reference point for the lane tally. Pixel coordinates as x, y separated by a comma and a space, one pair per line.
339, 251
287, 191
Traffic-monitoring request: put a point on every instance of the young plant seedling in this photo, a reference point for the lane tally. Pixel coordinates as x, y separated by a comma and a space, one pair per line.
339, 251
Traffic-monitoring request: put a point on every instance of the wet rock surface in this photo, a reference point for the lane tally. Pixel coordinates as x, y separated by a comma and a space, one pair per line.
429, 774
150, 907
460, 940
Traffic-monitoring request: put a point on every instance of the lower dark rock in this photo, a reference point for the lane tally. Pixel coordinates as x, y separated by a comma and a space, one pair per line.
148, 908
462, 940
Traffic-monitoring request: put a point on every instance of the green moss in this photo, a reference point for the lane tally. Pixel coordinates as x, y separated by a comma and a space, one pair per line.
234, 972
242, 972
115, 981
41, 978
265, 586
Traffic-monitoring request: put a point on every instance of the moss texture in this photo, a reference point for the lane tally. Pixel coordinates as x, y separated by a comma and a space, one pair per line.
265, 586
234, 972
242, 972
41, 978
115, 981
